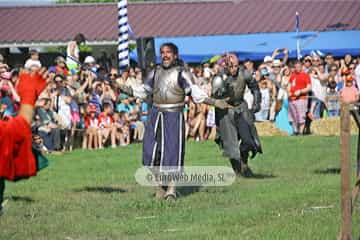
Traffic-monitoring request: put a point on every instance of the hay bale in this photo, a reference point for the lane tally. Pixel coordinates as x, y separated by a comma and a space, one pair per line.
269, 129
330, 127
320, 127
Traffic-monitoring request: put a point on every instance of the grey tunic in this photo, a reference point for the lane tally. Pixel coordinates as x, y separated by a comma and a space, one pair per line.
237, 133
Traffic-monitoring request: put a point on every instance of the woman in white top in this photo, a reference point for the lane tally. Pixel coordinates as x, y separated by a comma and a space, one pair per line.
73, 52
318, 87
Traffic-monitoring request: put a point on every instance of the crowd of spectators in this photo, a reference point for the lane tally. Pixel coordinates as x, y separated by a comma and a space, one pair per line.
84, 106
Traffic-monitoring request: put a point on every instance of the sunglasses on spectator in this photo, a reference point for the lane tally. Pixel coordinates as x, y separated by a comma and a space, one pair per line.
113, 75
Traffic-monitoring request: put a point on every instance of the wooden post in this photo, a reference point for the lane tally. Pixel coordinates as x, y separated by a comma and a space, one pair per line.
345, 172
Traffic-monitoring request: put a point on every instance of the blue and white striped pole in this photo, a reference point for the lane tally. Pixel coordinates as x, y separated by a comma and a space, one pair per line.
297, 29
123, 39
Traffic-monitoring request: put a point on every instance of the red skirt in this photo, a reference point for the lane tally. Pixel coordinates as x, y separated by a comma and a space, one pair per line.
16, 158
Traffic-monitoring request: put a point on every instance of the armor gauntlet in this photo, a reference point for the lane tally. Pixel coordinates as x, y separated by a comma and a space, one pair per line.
254, 88
218, 88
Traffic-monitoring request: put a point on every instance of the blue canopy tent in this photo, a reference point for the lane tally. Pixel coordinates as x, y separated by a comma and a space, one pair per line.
256, 46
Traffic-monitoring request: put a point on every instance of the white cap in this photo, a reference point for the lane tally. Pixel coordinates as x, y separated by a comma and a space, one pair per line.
276, 63
89, 59
267, 59
29, 63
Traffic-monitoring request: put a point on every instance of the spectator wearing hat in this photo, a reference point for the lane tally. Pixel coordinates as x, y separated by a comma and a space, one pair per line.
123, 103
91, 67
267, 63
91, 136
298, 89
276, 78
307, 64
90, 61
316, 61
275, 75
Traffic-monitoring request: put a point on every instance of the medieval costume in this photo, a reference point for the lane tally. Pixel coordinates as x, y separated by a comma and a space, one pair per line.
17, 159
165, 87
237, 134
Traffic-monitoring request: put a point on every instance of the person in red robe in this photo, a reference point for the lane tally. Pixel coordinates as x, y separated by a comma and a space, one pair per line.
16, 157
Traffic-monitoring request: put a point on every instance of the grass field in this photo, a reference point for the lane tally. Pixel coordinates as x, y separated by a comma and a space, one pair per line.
93, 195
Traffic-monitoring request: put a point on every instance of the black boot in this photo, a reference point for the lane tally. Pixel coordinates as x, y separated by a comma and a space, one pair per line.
245, 169
235, 164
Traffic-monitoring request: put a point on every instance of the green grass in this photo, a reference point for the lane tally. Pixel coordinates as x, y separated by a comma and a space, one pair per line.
93, 195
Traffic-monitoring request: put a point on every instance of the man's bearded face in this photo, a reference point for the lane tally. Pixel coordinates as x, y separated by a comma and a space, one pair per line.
167, 55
